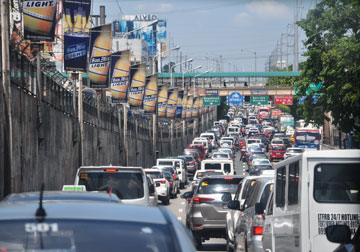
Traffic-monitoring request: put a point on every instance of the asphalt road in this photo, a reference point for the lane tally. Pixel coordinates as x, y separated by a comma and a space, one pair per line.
177, 207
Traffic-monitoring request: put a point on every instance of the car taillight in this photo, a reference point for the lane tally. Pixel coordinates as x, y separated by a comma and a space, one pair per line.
192, 163
162, 181
250, 162
111, 170
258, 231
174, 176
198, 200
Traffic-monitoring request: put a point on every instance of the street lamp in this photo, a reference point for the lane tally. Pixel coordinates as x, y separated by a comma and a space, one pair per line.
160, 55
197, 76
255, 60
186, 71
172, 67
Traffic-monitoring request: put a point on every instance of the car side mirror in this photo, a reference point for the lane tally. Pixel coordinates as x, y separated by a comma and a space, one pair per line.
226, 197
247, 170
259, 208
187, 195
234, 204
191, 178
179, 172
157, 184
151, 188
338, 234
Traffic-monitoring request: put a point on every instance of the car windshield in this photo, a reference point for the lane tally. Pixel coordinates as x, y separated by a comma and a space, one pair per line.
199, 175
189, 158
73, 236
126, 185
196, 147
261, 162
337, 183
220, 155
295, 150
212, 166
165, 163
155, 175
208, 136
219, 185
278, 148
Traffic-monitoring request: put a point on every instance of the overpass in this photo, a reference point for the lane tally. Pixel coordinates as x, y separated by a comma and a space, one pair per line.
246, 83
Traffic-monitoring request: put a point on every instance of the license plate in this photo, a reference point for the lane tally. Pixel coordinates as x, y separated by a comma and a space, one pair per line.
278, 153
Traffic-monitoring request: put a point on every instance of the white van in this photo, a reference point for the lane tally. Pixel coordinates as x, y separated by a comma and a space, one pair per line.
227, 166
233, 129
178, 164
312, 191
211, 136
252, 141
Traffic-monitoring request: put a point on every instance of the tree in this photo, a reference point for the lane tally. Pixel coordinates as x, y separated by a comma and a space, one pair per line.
333, 58
166, 67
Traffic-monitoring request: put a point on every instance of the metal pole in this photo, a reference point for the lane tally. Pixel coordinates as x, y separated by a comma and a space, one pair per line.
287, 50
5, 77
154, 135
126, 147
296, 38
281, 52
80, 113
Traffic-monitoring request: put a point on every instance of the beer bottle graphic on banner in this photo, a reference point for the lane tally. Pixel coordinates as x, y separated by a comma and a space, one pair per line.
120, 76
136, 92
38, 18
78, 19
99, 62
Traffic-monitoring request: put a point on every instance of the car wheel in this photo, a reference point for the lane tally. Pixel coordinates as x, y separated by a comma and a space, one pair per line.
168, 200
198, 241
228, 248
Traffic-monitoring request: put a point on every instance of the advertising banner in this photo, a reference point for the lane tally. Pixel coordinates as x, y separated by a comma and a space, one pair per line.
162, 101
195, 110
151, 91
189, 108
201, 106
100, 51
137, 87
179, 107
184, 106
39, 19
283, 100
161, 31
119, 75
172, 103
76, 24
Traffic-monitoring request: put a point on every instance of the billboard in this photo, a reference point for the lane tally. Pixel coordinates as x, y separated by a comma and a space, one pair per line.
142, 26
283, 100
195, 109
162, 101
119, 75
76, 25
172, 103
184, 106
151, 91
137, 87
39, 19
179, 106
100, 51
189, 108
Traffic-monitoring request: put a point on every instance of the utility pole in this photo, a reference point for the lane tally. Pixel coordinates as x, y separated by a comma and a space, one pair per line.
287, 48
180, 61
6, 86
296, 38
281, 52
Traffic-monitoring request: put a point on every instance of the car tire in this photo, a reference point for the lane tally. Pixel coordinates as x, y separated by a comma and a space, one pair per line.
228, 248
198, 241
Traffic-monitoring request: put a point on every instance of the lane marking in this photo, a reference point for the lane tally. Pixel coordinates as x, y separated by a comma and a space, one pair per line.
179, 218
180, 210
183, 203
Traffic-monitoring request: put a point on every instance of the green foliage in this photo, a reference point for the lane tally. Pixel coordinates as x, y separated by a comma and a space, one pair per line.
333, 58
284, 108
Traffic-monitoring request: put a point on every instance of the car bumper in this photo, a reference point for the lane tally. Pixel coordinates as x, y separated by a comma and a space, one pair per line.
255, 244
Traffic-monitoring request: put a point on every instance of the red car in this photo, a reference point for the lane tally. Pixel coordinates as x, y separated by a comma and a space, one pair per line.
200, 148
277, 152
196, 154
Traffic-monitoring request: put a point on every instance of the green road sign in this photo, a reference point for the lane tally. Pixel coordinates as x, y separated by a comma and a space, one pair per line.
211, 100
258, 100
312, 87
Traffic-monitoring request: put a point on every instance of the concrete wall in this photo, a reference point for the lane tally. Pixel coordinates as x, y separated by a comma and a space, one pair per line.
46, 137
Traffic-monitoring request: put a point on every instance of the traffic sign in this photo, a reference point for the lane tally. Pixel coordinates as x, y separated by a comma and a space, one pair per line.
258, 100
302, 99
211, 100
283, 100
212, 91
312, 87
235, 98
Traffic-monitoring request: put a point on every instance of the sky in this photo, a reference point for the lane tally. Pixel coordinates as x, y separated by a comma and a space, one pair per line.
214, 31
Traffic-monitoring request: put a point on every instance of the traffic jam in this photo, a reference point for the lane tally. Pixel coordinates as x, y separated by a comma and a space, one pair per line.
257, 180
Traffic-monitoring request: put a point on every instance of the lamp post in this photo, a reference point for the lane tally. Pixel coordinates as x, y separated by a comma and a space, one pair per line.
254, 58
198, 76
160, 55
172, 67
186, 71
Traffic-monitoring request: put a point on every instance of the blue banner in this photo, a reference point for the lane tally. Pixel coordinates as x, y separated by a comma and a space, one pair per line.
76, 24
179, 106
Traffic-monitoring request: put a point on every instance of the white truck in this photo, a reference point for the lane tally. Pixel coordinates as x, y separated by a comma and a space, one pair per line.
312, 191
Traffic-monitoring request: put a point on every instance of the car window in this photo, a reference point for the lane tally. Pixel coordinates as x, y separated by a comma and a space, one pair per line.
73, 235
280, 187
293, 186
237, 194
212, 166
199, 175
337, 183
266, 193
221, 185
252, 196
155, 175
165, 163
126, 185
